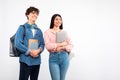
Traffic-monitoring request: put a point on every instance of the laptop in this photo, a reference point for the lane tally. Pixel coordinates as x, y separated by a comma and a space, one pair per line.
61, 36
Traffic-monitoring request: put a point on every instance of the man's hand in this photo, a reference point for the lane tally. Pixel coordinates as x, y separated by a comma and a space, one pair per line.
35, 53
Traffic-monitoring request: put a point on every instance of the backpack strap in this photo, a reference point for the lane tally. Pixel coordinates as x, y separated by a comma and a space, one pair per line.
24, 30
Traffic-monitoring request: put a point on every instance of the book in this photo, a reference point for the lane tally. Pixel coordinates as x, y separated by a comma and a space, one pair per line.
61, 36
33, 44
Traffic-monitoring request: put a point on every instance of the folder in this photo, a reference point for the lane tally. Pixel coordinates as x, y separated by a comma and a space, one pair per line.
61, 36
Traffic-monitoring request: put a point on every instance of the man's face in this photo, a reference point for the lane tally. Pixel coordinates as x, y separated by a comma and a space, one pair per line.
32, 16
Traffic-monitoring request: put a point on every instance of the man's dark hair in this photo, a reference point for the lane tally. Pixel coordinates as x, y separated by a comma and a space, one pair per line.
31, 9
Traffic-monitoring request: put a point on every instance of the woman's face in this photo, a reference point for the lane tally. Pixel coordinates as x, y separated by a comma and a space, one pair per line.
57, 21
32, 16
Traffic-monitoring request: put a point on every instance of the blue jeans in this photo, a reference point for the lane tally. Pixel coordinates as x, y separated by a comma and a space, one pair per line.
58, 65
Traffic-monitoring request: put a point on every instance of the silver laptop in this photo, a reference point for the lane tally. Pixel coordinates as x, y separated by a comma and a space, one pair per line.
61, 36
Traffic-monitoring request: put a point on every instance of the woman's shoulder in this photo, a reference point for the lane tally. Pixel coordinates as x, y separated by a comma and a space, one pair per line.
48, 30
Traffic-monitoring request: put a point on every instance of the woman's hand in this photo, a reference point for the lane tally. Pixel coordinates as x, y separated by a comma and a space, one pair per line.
62, 44
58, 49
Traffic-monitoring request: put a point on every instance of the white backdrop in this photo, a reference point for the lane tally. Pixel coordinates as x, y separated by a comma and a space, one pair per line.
94, 26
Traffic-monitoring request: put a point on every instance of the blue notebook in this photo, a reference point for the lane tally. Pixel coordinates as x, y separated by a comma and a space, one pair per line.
33, 44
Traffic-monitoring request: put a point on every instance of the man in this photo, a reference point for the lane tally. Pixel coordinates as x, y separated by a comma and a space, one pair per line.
31, 45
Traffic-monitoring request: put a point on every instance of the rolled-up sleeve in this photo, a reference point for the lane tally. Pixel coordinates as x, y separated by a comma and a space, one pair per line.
49, 41
69, 45
19, 40
41, 42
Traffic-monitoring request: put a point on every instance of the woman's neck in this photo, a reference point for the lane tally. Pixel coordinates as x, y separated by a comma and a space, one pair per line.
56, 29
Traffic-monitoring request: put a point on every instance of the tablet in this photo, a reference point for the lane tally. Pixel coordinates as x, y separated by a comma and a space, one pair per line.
61, 36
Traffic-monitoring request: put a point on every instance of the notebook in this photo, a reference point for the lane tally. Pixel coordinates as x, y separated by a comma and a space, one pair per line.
61, 36
33, 44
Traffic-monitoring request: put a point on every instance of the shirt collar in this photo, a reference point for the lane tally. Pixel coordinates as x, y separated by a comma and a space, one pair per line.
33, 26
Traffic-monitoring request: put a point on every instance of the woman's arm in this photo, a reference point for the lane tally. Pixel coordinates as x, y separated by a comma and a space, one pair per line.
49, 41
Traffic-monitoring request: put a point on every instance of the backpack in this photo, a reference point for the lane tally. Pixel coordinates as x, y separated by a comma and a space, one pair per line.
14, 52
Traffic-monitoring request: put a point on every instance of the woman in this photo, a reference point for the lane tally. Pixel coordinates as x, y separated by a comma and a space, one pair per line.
31, 45
58, 58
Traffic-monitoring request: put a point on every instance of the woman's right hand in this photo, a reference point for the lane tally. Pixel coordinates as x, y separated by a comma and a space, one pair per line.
58, 49
62, 44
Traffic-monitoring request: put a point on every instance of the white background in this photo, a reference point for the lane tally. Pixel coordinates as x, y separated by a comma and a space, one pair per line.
94, 26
